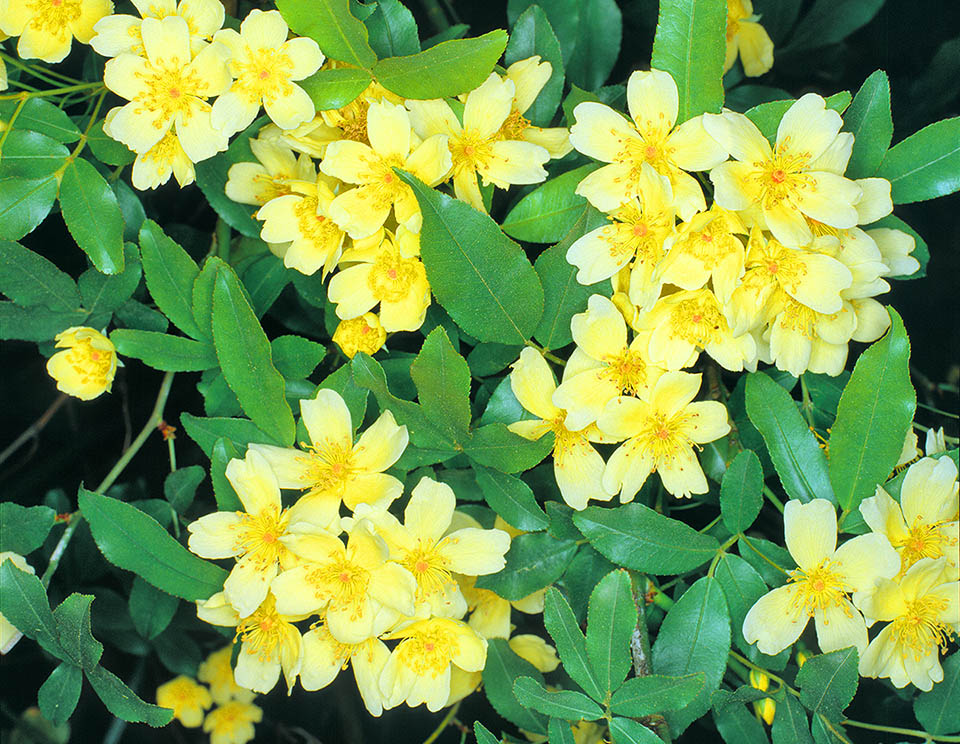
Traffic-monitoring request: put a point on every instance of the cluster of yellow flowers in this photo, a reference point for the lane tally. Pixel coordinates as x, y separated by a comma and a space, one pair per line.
389, 581
904, 573
231, 722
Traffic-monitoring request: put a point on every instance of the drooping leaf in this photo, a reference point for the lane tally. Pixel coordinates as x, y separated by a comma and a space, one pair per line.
24, 604
393, 30
295, 357
103, 293
737, 725
564, 17
925, 165
535, 560
125, 703
330, 23
495, 446
611, 621
333, 89
180, 486
870, 122
73, 629
150, 608
93, 216
790, 723
741, 491
831, 21
742, 586
106, 149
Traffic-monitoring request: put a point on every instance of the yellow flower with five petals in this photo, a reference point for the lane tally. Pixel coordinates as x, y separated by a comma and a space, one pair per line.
47, 28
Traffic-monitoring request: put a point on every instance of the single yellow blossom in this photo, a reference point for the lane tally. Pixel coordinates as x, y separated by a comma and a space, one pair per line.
324, 657
360, 334
603, 134
661, 430
418, 670
188, 700
748, 38
232, 723
120, 33
47, 28
537, 651
252, 537
168, 90
925, 522
9, 635
923, 612
332, 468
268, 178
529, 76
577, 466
784, 185
822, 584
217, 672
87, 364
265, 66
476, 146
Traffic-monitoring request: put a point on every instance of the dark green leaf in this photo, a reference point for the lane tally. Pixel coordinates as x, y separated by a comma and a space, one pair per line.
36, 323
296, 357
643, 696
532, 35
771, 561
58, 696
29, 154
939, 709
483, 736
628, 731
495, 446
512, 499
151, 609
206, 431
558, 732
41, 116
535, 560
550, 211
502, 668
224, 451
566, 704
23, 602
599, 33
831, 21
73, 629
106, 149
329, 22
133, 314
170, 274
354, 396
488, 359
564, 16
582, 575
742, 586
635, 536
873, 417
737, 725
124, 702
828, 682
799, 461
790, 724
442, 378
333, 89
393, 31
694, 637
104, 293
562, 626
180, 486
23, 529
24, 204
163, 351
870, 122
90, 209
611, 620
134, 541
741, 492
926, 164
264, 280
825, 732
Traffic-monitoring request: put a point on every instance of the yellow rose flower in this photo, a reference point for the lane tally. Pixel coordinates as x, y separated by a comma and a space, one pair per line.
47, 28
188, 700
217, 673
529, 76
360, 334
260, 182
232, 723
87, 364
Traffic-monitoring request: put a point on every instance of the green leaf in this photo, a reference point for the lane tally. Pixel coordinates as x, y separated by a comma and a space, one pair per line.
769, 560
264, 279
828, 682
133, 314
531, 35
104, 293
871, 123
73, 629
925, 165
329, 23
483, 736
106, 149
151, 609
549, 212
442, 378
488, 359
611, 620
206, 431
226, 497
831, 21
737, 725
163, 351
767, 116
690, 45
495, 446
939, 709
535, 560
58, 696
29, 154
643, 696
558, 732
742, 586
599, 32
354, 396
694, 637
170, 273
564, 16
24, 604
825, 732
741, 491
41, 116
296, 357
24, 204
180, 486
36, 323
23, 529
502, 668
447, 69
393, 30
124, 702
333, 89
563, 295
627, 731
480, 276
790, 724
800, 463
567, 704
245, 358
583, 574
512, 499
93, 217
134, 541
873, 417
562, 626
635, 536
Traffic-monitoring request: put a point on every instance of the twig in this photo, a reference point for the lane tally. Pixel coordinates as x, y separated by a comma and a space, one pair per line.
35, 428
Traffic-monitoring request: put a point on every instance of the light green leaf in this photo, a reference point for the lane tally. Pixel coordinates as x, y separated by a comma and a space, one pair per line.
73, 629
23, 529
874, 414
93, 216
124, 702
24, 204
939, 709
353, 395
925, 165
447, 69
169, 272
483, 735
329, 23
564, 17
442, 378
690, 44
151, 609
567, 704
611, 620
741, 491
535, 560
512, 499
533, 35
495, 446
561, 624
163, 351
828, 682
502, 668
29, 279
599, 33
58, 696
643, 696
551, 210
869, 120
333, 89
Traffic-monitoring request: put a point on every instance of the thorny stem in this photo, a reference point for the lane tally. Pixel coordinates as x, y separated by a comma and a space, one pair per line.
640, 651
155, 417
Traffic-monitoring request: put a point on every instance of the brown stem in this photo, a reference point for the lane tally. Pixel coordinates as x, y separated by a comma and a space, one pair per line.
640, 651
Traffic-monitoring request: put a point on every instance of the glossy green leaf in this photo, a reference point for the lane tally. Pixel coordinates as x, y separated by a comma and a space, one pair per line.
799, 461
124, 703
564, 17
561, 624
512, 499
480, 276
24, 604
737, 725
873, 417
628, 731
58, 696
694, 637
180, 486
741, 491
925, 165
392, 29
24, 204
939, 709
532, 35
151, 609
558, 732
495, 446
134, 541
742, 586
502, 668
264, 279
29, 279
551, 210
23, 529
567, 704
767, 116
330, 23
73, 630
870, 122
226, 497
483, 735
333, 89
245, 358
40, 115
643, 696
831, 21
103, 293
635, 536
447, 69
599, 33
611, 621
170, 273
487, 359
790, 724
29, 154
93, 216
106, 149
535, 560
206, 431
827, 732
769, 560
442, 378
828, 682
690, 44
163, 351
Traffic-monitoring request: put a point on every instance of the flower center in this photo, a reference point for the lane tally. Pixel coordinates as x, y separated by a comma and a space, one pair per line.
428, 567
922, 541
264, 631
341, 582
564, 440
264, 75
53, 16
393, 276
628, 370
320, 231
921, 628
329, 465
664, 436
90, 365
819, 588
698, 320
513, 127
781, 177
169, 91
258, 535
469, 152
429, 651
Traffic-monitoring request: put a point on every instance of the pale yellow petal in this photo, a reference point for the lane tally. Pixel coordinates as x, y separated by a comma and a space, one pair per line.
776, 620
599, 131
255, 672
808, 127
255, 484
488, 106
608, 187
739, 136
388, 129
693, 147
533, 385
475, 552
829, 198
430, 509
652, 101
350, 290
579, 475
865, 559
381, 445
810, 531
627, 469
840, 627
327, 419
514, 162
290, 110
248, 583
321, 659
929, 491
215, 535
